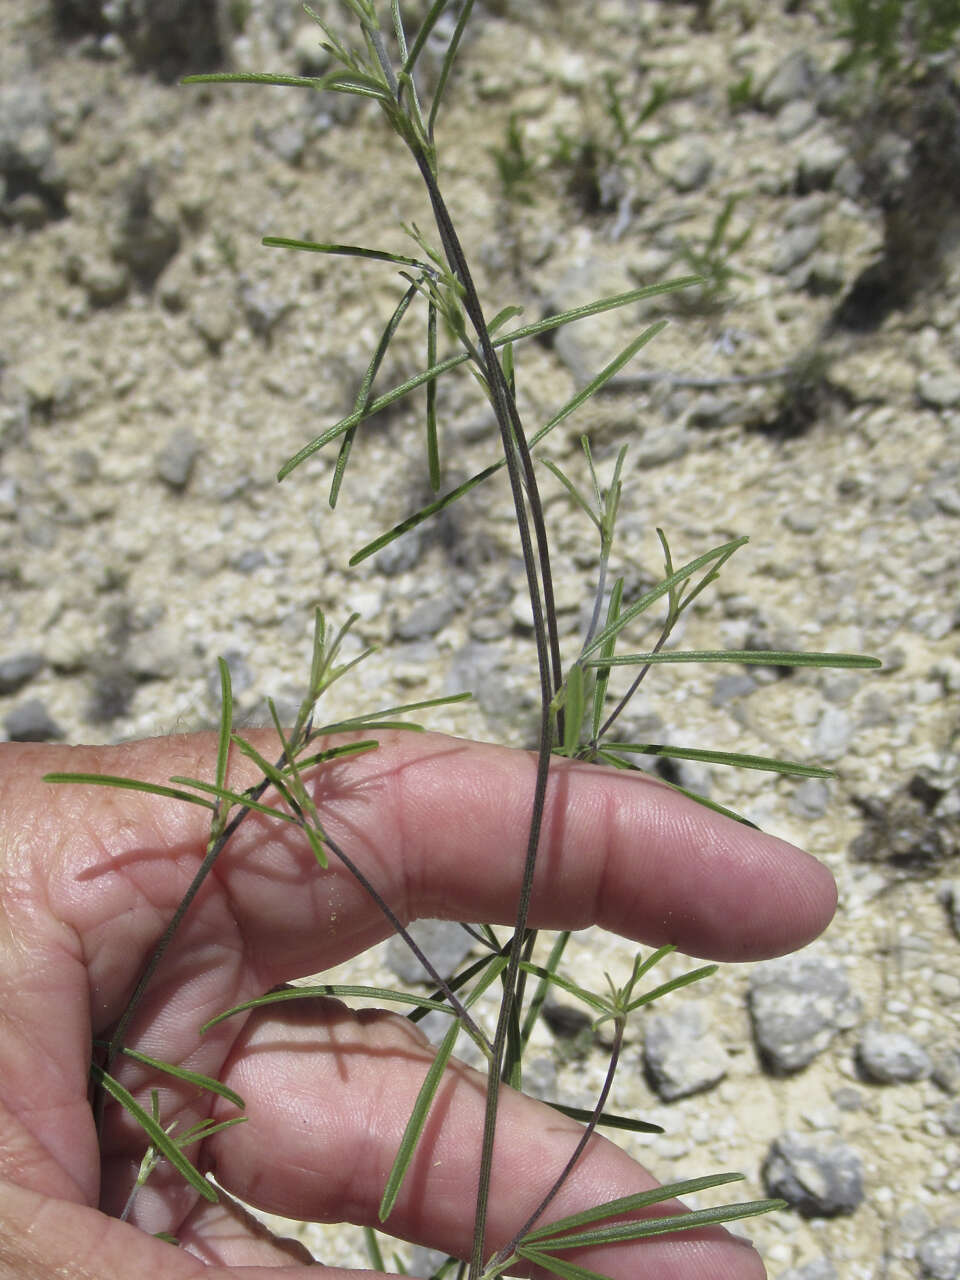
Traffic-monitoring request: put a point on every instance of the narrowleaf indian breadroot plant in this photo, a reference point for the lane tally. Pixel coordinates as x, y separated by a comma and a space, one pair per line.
578, 710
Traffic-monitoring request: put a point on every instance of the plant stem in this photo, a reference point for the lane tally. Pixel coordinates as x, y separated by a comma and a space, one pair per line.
524, 488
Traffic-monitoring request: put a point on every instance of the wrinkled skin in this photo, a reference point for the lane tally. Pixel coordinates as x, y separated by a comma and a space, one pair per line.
90, 876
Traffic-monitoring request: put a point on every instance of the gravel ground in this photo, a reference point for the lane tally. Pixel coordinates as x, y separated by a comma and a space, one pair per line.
157, 365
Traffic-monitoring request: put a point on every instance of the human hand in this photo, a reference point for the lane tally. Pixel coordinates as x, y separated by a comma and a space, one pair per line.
89, 878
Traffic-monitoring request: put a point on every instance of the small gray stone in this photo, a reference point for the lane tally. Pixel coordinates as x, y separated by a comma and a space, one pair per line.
111, 696
939, 1254
891, 1057
810, 799
793, 78
262, 310
818, 163
175, 462
795, 118
105, 282
146, 238
794, 247
31, 722
797, 1004
687, 162
832, 735
939, 390
727, 688
19, 670
681, 1056
443, 942
287, 140
426, 619
819, 1179
214, 316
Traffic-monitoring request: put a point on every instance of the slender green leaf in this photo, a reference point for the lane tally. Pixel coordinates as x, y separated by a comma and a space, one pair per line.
452, 362
373, 1250
603, 672
646, 1227
206, 1129
761, 657
561, 1267
447, 65
735, 758
348, 250
161, 1140
573, 709
429, 22
254, 77
684, 980
226, 721
432, 508
191, 1077
558, 980
572, 489
363, 394
418, 1118
433, 446
543, 985
654, 594
684, 791
631, 1204
334, 991
606, 1119
129, 784
235, 797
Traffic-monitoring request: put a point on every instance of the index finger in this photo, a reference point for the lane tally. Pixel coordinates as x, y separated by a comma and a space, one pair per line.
439, 825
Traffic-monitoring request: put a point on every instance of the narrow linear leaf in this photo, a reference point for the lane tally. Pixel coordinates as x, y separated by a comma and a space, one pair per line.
654, 594
632, 1203
447, 65
182, 1073
573, 710
452, 362
691, 795
558, 980
347, 250
129, 784
235, 797
560, 1266
254, 77
432, 508
206, 1129
761, 657
418, 1118
684, 980
607, 1119
226, 721
161, 1140
402, 708
603, 672
661, 1226
363, 394
331, 990
735, 758
433, 446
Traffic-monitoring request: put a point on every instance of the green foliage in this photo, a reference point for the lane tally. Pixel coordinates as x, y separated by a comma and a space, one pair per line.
896, 38
712, 257
578, 711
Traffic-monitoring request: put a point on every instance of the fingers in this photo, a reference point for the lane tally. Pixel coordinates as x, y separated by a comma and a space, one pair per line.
41, 1238
328, 1094
439, 825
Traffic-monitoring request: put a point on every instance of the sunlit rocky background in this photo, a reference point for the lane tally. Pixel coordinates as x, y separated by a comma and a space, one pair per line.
158, 365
